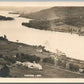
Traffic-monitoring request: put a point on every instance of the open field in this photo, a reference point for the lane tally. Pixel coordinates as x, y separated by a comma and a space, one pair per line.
49, 71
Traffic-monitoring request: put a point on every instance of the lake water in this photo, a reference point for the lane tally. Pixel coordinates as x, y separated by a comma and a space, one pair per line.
71, 44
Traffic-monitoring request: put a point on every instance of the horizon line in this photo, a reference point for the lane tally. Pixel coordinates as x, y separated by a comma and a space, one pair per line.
38, 0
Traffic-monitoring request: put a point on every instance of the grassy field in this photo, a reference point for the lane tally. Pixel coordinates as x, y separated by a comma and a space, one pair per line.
11, 48
49, 71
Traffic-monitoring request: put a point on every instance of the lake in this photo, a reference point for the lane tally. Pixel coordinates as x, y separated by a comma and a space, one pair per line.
71, 44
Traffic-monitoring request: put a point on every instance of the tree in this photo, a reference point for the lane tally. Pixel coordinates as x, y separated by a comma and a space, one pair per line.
5, 72
17, 41
48, 60
5, 37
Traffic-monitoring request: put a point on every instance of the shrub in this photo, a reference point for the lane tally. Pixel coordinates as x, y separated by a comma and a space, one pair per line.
61, 63
26, 57
3, 61
48, 60
76, 68
10, 59
17, 55
73, 67
5, 72
1, 38
1, 56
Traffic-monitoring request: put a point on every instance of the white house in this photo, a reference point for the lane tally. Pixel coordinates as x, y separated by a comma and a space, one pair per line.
18, 63
32, 65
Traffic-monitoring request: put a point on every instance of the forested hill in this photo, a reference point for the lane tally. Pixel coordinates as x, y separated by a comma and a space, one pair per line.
57, 12
62, 19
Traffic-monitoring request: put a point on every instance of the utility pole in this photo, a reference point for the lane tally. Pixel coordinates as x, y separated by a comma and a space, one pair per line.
55, 60
56, 57
79, 31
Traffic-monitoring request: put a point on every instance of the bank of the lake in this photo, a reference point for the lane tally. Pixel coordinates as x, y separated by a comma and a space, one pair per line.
11, 51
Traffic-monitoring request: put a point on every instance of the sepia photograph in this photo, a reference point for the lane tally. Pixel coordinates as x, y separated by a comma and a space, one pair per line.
41, 39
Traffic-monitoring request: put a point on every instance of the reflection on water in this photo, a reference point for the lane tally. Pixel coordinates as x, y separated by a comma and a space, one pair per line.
71, 44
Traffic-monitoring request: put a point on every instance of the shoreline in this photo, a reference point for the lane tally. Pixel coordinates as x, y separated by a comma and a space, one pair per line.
35, 49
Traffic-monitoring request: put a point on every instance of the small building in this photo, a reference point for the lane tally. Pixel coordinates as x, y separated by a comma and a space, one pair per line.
81, 70
32, 65
18, 63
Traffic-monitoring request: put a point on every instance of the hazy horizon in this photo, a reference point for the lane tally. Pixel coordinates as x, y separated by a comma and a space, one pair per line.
40, 3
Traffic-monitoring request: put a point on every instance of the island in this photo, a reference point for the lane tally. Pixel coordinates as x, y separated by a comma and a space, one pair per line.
5, 18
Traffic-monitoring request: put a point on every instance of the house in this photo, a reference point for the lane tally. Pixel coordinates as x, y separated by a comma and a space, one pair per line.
18, 63
81, 67
81, 70
32, 65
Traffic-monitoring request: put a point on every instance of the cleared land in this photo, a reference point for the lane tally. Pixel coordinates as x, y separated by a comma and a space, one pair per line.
49, 70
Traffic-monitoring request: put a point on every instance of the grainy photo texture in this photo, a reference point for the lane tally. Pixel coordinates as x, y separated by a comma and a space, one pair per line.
41, 41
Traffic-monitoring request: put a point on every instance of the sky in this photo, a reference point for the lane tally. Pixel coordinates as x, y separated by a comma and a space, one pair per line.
37, 2
41, 0
42, 3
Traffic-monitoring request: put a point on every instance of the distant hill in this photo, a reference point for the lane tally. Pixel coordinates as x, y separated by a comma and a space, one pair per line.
57, 12
62, 19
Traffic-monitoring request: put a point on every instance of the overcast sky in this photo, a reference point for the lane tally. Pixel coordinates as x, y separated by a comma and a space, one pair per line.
53, 3
41, 0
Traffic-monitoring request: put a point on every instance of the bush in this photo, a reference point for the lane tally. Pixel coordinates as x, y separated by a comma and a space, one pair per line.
17, 55
73, 67
1, 38
10, 59
26, 57
48, 60
76, 68
61, 63
5, 72
1, 56
3, 61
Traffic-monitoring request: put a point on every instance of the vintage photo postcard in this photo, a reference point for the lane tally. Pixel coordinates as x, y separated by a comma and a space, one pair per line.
41, 41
